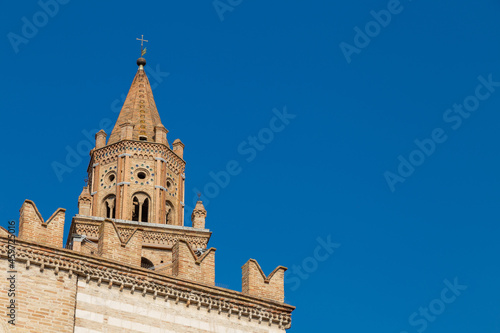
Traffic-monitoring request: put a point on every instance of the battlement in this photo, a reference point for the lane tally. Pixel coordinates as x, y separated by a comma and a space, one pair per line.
256, 283
33, 228
186, 264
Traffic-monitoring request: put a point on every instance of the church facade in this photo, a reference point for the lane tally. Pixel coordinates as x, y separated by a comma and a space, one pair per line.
130, 264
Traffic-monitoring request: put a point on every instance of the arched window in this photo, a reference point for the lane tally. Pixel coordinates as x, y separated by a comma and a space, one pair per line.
169, 210
140, 207
146, 263
109, 206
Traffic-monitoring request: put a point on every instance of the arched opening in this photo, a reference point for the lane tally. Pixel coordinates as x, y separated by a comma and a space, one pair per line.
109, 207
146, 263
140, 207
169, 210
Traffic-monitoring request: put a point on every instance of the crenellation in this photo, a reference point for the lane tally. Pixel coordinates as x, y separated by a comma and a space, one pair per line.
256, 283
32, 227
186, 264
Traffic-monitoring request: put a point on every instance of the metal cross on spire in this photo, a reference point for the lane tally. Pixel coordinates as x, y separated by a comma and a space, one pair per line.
143, 50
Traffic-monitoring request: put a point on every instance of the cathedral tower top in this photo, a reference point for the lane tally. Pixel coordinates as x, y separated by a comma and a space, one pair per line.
136, 175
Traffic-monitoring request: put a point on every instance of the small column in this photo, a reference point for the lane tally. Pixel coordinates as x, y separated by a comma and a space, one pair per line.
96, 168
125, 199
119, 178
182, 195
159, 204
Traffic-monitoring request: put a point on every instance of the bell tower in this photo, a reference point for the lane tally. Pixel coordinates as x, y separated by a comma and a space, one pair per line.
135, 178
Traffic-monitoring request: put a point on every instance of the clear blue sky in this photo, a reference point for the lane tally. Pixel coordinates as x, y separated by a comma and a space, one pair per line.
360, 100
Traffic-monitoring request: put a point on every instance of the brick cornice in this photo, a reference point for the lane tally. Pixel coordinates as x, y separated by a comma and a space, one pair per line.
129, 147
106, 271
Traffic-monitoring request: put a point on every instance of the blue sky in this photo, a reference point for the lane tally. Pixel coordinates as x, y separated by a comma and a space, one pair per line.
373, 156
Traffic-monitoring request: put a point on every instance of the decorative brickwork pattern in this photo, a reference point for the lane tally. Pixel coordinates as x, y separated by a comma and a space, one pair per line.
161, 238
89, 230
150, 235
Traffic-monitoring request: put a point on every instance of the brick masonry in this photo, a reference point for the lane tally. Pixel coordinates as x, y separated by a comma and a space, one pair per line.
33, 228
256, 283
111, 245
185, 263
46, 300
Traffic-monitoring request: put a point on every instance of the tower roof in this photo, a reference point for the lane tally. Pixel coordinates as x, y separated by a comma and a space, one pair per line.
139, 109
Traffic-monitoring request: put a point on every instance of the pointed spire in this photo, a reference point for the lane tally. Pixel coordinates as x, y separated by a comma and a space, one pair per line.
138, 116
